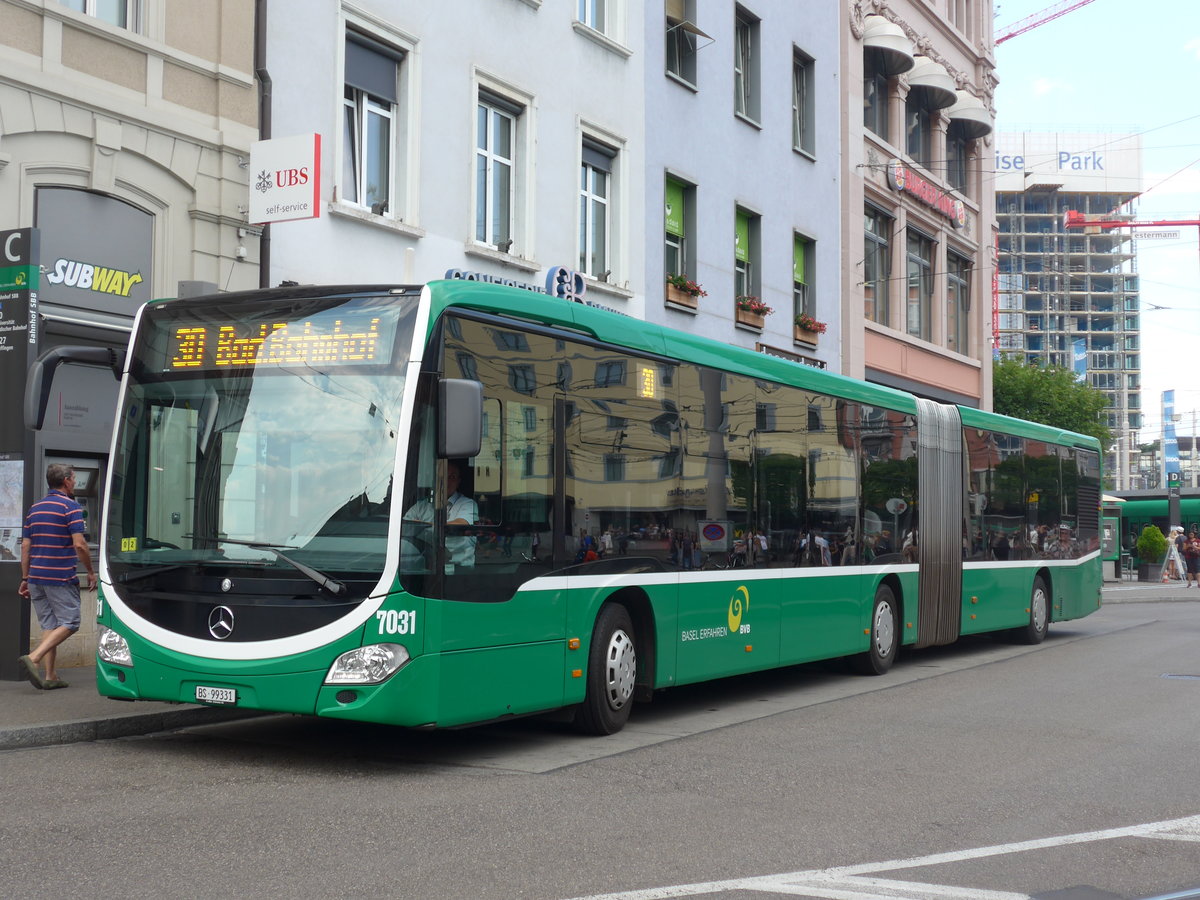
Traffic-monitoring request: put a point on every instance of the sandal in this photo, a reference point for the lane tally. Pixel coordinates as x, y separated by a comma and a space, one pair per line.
31, 672
54, 683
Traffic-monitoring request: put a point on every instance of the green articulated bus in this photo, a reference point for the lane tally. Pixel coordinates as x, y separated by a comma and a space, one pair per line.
452, 503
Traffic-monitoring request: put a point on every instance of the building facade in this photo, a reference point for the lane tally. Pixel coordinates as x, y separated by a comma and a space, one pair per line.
1070, 296
536, 136
918, 224
123, 130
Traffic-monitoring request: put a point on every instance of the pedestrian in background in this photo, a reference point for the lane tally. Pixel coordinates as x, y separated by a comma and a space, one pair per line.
51, 543
1191, 557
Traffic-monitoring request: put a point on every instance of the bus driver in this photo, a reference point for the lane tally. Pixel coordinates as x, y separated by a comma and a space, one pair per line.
460, 510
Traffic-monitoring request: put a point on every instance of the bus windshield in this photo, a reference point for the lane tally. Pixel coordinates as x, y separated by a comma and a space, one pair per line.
261, 436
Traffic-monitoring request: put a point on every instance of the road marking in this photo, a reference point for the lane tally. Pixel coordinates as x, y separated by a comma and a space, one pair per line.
848, 883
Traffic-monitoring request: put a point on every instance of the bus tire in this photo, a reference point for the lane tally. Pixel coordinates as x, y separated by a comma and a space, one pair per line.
611, 673
1039, 614
885, 635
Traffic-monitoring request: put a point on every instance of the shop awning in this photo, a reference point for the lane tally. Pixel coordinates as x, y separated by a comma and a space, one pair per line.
971, 115
933, 84
894, 48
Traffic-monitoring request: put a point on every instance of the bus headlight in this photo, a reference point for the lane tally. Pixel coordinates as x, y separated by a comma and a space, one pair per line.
112, 648
367, 665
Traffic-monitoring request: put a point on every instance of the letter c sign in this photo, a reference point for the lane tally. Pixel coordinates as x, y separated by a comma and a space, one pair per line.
10, 254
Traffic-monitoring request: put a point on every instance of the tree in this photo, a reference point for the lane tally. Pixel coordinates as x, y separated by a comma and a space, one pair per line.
1051, 395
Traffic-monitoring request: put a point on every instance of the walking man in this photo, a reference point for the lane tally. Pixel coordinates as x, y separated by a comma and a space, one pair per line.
51, 543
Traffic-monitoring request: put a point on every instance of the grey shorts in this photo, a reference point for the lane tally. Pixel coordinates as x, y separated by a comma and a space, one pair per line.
57, 605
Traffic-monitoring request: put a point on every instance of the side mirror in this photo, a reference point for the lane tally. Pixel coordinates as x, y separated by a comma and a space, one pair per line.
460, 416
41, 375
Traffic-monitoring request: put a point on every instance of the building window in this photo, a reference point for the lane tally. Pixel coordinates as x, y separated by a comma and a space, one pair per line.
522, 378
958, 301
610, 373
369, 126
958, 145
745, 65
682, 40
803, 105
876, 94
595, 188
677, 219
802, 260
614, 467
594, 14
877, 265
919, 301
495, 163
745, 253
122, 13
960, 15
918, 129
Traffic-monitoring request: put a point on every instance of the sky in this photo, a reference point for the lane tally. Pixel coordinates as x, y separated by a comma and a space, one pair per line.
1117, 66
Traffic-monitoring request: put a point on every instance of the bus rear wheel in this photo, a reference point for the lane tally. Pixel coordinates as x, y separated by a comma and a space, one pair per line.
611, 673
885, 635
1039, 614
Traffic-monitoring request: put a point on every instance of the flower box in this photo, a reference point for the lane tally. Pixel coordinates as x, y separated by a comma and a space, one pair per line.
804, 336
751, 319
680, 297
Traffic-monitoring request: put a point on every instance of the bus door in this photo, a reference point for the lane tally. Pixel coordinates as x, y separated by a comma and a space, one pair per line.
941, 477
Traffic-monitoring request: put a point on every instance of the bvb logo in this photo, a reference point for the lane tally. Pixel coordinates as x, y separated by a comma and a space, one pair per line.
738, 604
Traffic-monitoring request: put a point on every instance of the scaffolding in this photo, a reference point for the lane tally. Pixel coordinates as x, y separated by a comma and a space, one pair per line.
1058, 288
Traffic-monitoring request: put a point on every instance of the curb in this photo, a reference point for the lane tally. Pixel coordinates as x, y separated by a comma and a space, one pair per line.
116, 727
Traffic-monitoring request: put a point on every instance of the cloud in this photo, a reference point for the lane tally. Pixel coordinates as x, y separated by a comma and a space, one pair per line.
1192, 46
1043, 87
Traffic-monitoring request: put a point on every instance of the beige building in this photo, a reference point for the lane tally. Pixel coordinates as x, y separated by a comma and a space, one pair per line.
918, 205
125, 129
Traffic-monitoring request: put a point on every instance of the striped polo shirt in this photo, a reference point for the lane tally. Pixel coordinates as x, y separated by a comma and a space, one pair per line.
49, 527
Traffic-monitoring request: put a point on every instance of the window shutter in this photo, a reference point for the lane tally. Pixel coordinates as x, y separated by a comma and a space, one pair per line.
371, 66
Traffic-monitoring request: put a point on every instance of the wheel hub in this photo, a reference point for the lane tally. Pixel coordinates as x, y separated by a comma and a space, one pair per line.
620, 669
885, 632
1038, 608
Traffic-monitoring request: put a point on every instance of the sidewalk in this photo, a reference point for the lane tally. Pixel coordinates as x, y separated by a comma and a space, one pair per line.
33, 718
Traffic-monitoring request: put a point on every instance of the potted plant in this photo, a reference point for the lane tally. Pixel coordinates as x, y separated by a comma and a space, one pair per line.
751, 310
807, 328
1151, 548
683, 291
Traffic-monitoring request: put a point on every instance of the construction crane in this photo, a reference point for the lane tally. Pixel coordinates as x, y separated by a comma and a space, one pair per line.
1049, 14
1073, 219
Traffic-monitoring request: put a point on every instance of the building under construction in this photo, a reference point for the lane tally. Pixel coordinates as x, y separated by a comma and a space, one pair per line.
1069, 296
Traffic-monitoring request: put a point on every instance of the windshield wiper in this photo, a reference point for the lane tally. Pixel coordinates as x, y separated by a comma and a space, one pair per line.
332, 585
127, 577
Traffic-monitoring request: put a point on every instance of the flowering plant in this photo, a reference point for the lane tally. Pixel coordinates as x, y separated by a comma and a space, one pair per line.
751, 304
686, 285
808, 323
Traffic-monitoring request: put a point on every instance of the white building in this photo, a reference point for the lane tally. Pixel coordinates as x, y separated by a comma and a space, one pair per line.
529, 135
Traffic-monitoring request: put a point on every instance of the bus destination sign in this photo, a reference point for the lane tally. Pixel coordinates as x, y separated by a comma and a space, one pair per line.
352, 337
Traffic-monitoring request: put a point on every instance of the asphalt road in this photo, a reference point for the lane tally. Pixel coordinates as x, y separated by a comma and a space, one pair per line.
985, 771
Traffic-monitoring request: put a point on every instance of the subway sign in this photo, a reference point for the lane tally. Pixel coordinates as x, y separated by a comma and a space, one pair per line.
902, 178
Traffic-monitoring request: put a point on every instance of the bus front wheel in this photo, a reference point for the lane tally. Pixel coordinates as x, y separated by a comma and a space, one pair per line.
611, 673
885, 635
1039, 614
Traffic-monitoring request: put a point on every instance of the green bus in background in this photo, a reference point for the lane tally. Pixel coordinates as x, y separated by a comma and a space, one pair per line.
452, 503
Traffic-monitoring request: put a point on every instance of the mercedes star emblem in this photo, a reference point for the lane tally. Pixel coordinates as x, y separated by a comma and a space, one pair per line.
220, 622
